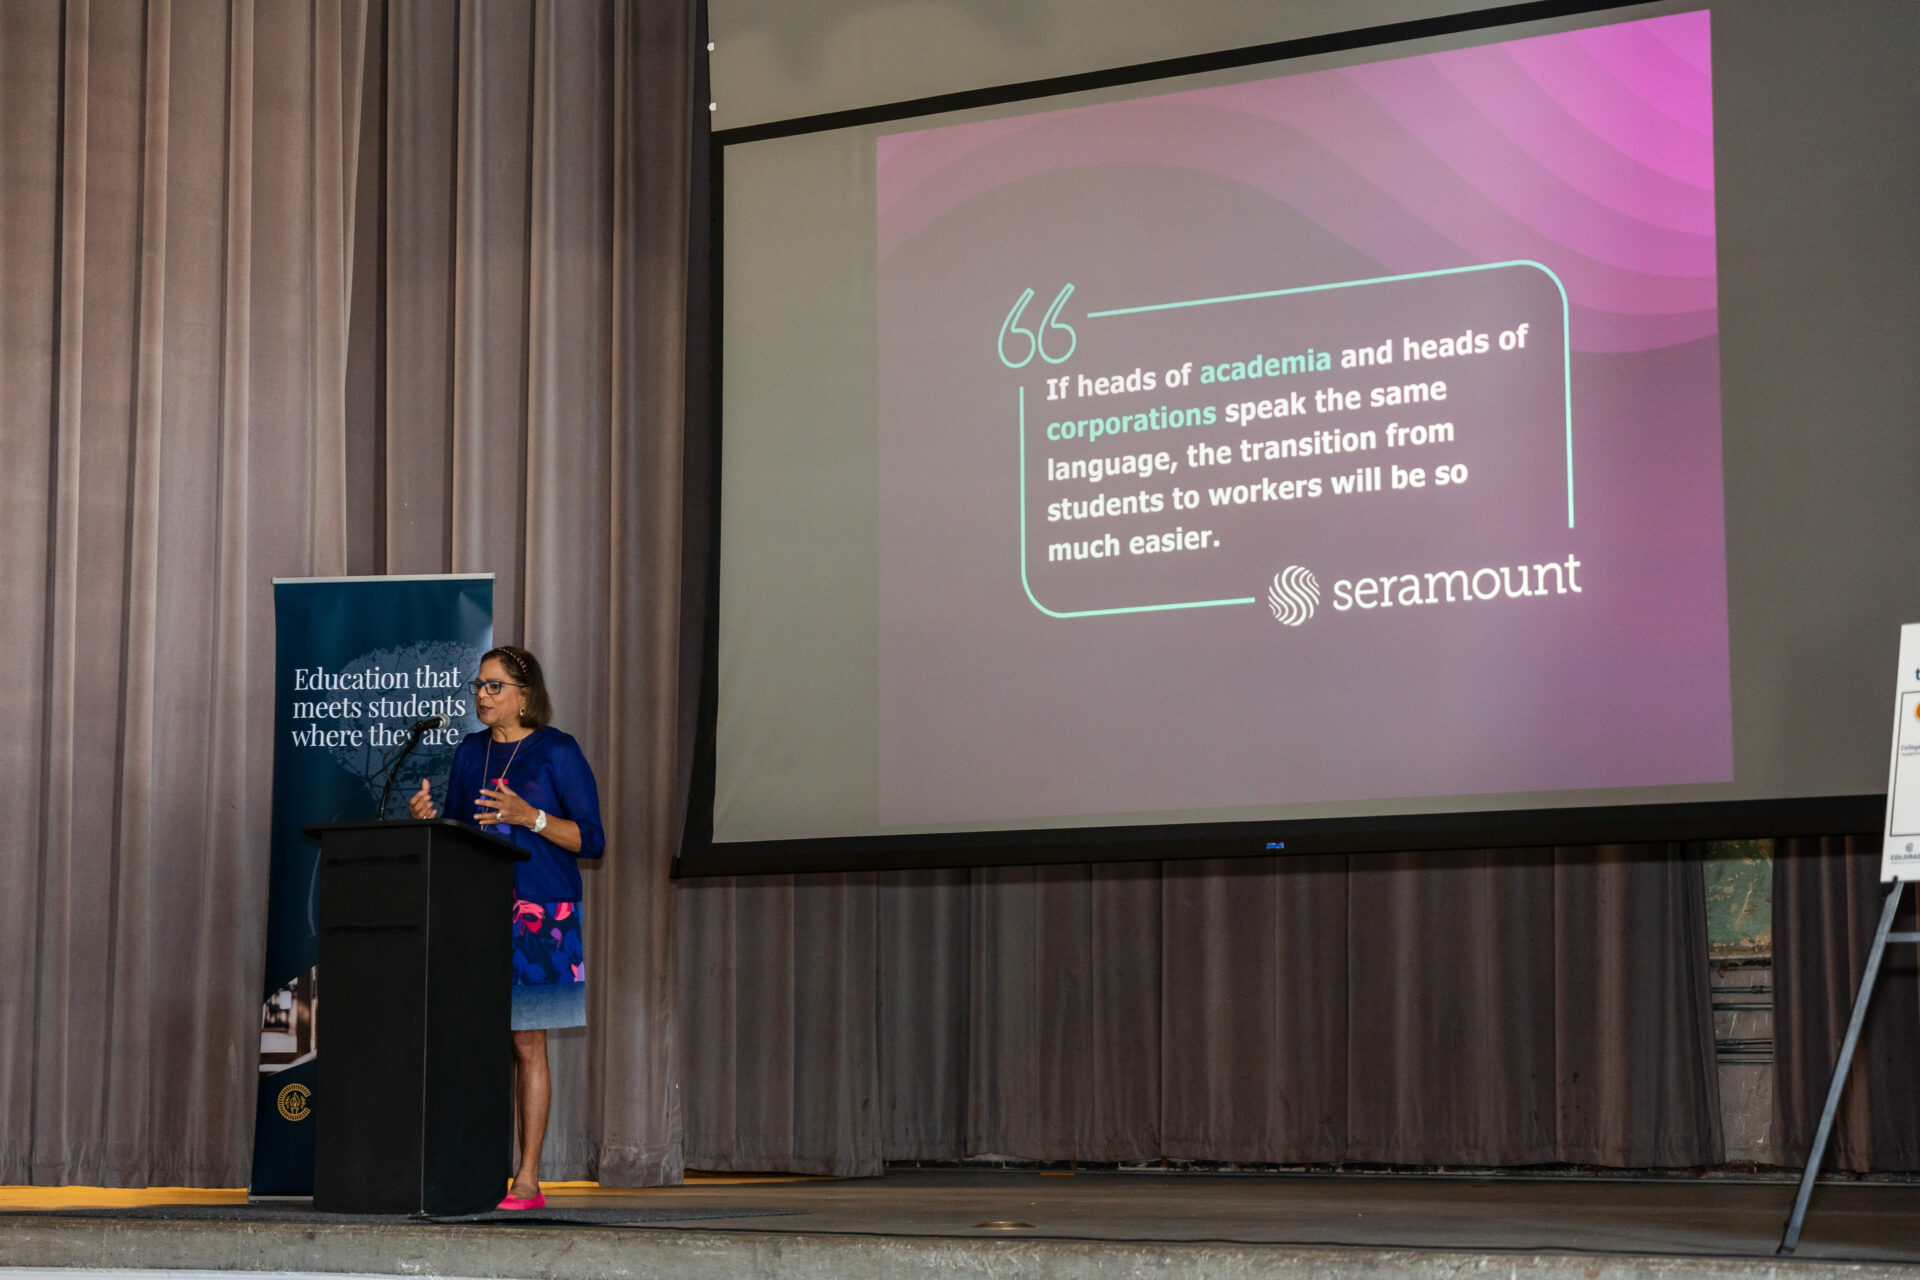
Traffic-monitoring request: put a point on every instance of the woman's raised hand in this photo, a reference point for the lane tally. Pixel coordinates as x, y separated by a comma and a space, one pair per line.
508, 809
420, 803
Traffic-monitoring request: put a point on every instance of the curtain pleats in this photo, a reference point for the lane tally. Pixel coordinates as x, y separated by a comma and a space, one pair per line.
633, 1072
533, 305
30, 277
1826, 905
293, 290
776, 1029
1065, 1025
923, 993
1499, 1008
69, 973
422, 448
29, 155
1450, 986
1633, 1020
565, 587
171, 293
1254, 1052
489, 340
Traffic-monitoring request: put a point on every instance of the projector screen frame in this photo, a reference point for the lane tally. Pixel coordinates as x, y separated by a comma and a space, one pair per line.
699, 855
1166, 842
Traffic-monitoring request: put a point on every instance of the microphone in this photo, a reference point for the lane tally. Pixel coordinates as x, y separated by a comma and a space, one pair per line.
414, 731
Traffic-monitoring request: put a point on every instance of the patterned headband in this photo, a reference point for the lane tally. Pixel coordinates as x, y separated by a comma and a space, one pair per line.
514, 656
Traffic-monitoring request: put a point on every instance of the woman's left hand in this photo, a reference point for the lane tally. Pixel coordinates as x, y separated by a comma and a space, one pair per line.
508, 808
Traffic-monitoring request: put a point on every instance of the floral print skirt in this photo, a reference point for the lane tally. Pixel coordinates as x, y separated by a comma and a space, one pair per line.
549, 966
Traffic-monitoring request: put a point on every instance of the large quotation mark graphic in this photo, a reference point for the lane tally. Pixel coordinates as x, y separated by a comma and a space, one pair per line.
1037, 338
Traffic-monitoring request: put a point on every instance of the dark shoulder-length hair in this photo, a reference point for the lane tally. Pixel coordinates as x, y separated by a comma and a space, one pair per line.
525, 668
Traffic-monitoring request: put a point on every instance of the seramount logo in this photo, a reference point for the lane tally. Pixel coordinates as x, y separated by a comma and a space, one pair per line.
1293, 596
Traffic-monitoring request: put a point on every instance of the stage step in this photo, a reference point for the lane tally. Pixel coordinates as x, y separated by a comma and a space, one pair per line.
41, 1247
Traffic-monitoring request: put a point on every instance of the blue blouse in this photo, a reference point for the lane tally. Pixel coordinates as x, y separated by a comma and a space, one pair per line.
550, 772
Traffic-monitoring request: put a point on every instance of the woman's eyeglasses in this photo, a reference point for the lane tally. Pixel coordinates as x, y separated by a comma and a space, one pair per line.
491, 688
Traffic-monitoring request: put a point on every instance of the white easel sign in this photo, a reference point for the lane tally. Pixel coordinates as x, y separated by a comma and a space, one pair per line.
1900, 855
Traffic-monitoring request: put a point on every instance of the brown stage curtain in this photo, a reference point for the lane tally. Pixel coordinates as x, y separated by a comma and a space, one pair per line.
295, 289
522, 361
1826, 904
175, 178
1504, 1008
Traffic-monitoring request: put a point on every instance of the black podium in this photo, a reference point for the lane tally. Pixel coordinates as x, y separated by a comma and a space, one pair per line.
413, 1097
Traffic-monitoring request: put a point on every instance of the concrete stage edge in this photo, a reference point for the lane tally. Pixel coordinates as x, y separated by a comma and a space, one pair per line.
1093, 1225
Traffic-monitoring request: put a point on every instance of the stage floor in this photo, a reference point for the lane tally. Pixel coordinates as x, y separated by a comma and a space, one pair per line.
1346, 1224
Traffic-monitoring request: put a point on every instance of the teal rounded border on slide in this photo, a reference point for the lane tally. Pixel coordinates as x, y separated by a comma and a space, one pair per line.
1566, 365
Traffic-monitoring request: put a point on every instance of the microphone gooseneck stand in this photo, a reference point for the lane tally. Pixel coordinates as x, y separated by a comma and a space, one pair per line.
413, 740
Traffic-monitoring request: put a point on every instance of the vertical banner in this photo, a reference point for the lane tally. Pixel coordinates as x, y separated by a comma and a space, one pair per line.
1900, 854
358, 661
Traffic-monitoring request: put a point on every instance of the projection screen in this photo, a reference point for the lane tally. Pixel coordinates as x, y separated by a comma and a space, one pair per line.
1502, 435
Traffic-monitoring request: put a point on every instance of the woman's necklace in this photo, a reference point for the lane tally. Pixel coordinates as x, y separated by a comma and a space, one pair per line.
501, 781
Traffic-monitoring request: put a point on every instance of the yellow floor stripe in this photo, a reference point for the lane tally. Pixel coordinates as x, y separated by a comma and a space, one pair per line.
139, 1197
115, 1197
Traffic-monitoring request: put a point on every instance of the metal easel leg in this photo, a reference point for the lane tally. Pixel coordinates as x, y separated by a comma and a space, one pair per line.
1791, 1240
